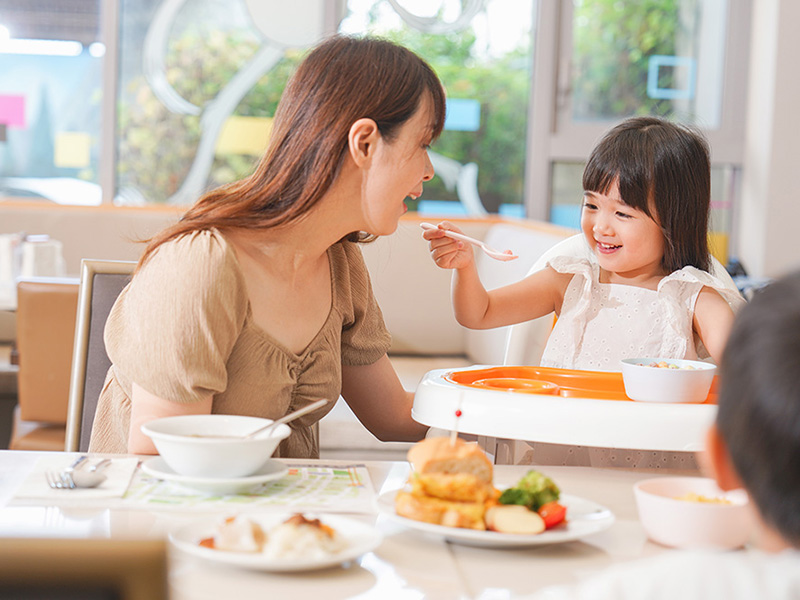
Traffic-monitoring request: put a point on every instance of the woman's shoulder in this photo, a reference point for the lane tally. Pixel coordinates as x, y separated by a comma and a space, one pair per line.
206, 245
197, 260
348, 261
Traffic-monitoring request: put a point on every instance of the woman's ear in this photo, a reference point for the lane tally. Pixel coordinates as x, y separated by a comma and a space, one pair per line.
361, 140
717, 462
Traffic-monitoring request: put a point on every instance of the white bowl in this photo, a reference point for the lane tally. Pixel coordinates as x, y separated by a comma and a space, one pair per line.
691, 524
180, 442
689, 383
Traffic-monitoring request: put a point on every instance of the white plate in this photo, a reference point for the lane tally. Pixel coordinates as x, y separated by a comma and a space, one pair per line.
358, 537
584, 517
272, 469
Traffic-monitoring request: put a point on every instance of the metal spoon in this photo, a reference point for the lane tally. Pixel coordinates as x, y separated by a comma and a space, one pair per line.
496, 254
91, 477
285, 419
290, 417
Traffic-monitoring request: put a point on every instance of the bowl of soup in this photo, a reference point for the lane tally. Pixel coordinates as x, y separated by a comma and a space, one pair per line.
214, 445
693, 513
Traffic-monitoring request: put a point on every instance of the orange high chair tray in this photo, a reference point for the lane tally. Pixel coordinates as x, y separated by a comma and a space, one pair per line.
567, 383
560, 406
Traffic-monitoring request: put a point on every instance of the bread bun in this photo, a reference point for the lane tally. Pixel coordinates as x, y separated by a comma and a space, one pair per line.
443, 455
468, 515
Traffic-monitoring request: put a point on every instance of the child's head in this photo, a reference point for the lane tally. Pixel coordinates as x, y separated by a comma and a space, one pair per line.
759, 403
662, 169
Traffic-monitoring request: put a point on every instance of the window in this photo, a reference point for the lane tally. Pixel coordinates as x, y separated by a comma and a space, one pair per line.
482, 52
183, 99
681, 59
51, 58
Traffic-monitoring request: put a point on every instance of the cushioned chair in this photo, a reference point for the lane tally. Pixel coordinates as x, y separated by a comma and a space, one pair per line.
83, 568
45, 333
100, 284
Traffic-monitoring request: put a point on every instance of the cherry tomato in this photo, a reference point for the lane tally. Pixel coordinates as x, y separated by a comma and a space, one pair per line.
553, 513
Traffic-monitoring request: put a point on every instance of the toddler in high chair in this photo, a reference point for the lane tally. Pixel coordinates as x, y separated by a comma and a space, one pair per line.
647, 293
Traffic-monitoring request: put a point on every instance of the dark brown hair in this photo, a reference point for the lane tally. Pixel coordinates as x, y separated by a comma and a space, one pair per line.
342, 80
662, 168
759, 402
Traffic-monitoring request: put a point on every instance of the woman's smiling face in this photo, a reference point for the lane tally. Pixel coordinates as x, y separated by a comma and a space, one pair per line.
399, 168
628, 244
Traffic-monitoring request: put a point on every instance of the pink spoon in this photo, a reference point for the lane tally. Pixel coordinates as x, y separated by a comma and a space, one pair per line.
496, 254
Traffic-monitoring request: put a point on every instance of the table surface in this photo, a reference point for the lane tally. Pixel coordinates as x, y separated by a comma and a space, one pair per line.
408, 564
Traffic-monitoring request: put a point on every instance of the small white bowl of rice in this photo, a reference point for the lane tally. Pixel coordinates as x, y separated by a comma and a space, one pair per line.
667, 380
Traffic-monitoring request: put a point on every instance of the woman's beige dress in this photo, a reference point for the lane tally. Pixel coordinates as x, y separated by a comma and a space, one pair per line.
183, 329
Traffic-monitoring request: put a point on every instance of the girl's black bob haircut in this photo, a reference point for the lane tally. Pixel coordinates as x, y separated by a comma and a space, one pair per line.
663, 169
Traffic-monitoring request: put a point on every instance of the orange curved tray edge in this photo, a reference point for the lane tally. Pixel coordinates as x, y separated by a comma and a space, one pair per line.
572, 383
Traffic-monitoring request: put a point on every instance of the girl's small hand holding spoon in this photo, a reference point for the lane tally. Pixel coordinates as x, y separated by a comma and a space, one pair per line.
496, 254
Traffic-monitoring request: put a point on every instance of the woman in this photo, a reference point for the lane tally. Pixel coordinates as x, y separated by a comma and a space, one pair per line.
258, 301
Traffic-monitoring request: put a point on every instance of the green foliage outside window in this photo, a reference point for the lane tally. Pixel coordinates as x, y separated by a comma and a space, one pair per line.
613, 41
157, 147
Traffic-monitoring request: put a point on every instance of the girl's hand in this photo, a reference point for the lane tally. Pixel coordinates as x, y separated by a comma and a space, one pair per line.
448, 253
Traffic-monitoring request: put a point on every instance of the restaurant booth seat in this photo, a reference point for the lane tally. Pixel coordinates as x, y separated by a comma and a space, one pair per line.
45, 334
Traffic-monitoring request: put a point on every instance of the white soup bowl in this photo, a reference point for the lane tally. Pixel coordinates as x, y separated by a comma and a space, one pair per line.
689, 383
690, 524
182, 443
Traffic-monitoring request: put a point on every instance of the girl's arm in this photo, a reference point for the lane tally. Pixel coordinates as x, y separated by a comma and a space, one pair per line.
713, 319
378, 399
535, 296
147, 407
538, 294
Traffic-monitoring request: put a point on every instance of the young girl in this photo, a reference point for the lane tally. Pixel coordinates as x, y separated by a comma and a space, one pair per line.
647, 291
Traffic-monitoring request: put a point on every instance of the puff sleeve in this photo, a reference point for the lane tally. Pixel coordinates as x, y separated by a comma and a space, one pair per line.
173, 328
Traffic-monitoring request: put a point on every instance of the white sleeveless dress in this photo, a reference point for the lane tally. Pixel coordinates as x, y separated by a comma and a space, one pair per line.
601, 323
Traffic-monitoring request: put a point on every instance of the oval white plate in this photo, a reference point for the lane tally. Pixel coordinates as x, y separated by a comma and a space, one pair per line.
359, 539
272, 469
584, 517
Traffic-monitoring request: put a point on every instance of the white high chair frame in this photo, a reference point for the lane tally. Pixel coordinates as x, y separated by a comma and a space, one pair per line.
525, 342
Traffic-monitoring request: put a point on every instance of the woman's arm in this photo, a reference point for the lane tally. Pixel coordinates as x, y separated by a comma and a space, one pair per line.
378, 399
713, 319
147, 407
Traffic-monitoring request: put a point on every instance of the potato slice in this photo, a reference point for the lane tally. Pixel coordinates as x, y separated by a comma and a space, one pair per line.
513, 518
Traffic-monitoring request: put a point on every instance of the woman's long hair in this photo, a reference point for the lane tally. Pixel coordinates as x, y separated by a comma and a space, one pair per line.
342, 80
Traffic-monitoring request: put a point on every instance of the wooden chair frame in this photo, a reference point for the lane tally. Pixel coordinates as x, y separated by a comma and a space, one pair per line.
89, 268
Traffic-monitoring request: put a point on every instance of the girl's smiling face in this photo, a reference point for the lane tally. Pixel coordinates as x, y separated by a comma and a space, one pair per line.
399, 168
628, 244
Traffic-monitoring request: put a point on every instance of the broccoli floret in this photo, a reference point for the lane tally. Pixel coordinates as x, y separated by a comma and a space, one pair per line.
515, 496
533, 491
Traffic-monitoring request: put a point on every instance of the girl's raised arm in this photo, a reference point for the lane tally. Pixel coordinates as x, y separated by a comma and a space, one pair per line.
537, 295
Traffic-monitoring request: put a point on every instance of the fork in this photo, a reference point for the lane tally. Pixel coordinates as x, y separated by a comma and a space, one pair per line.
63, 479
496, 254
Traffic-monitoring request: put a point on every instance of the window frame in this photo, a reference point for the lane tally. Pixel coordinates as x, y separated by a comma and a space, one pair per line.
551, 138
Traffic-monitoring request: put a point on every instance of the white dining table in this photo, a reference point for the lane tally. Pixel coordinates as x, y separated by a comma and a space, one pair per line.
407, 564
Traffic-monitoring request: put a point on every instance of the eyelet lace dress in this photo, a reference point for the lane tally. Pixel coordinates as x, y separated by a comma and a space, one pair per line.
601, 323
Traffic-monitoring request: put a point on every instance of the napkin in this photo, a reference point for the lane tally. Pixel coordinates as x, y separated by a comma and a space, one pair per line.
118, 476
